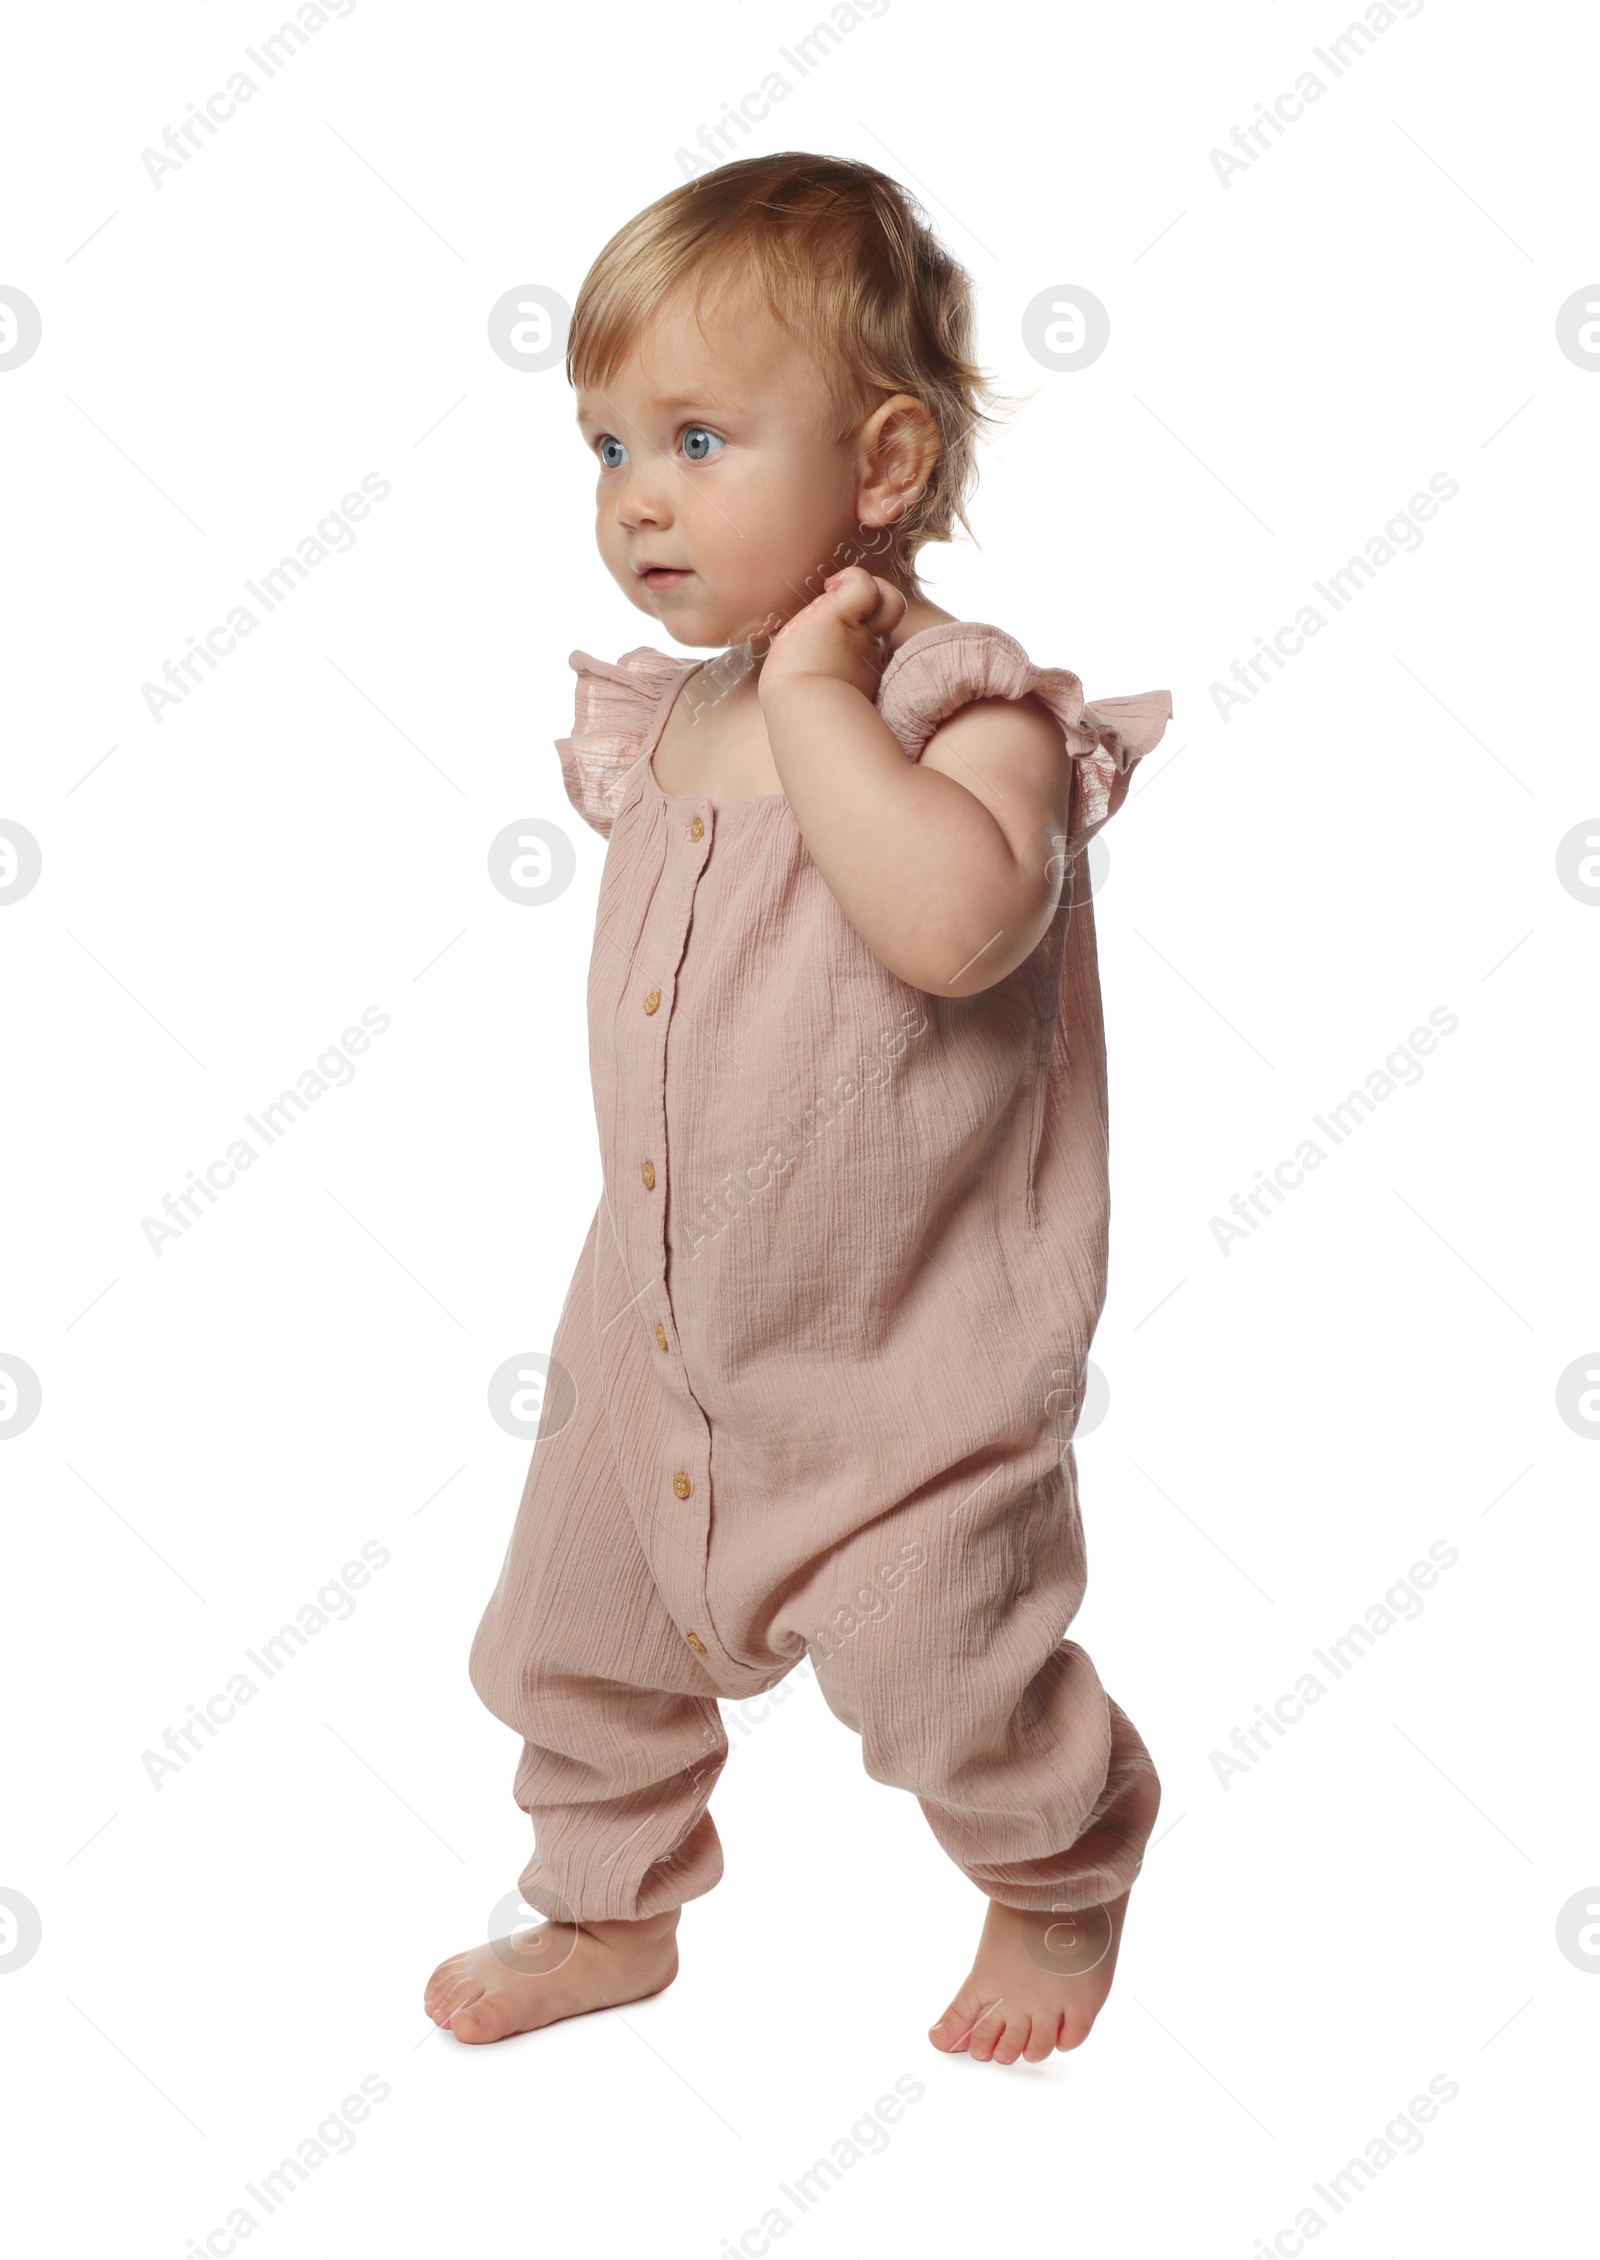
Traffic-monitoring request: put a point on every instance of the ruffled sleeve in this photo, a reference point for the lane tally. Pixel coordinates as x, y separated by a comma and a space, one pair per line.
947, 667
615, 707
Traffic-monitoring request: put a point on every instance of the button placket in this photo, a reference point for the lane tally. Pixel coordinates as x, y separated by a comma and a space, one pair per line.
686, 1447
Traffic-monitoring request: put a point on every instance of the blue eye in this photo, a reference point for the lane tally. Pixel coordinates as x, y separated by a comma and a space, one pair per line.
699, 444
610, 461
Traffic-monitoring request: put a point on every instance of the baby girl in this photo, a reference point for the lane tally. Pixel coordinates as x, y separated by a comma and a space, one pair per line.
824, 1349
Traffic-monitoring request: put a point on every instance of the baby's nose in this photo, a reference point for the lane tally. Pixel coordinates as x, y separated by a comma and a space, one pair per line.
645, 498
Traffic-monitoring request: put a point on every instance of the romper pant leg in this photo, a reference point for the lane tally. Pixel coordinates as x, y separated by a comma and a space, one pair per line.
963, 1690
621, 1743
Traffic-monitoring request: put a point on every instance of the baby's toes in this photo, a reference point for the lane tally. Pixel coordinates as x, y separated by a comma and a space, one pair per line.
952, 2029
443, 1981
465, 1994
986, 2034
1013, 2040
1042, 2038
482, 2018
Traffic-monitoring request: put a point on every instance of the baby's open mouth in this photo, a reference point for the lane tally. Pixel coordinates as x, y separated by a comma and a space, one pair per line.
665, 576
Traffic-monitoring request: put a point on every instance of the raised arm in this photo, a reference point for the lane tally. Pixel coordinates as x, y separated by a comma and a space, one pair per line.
948, 867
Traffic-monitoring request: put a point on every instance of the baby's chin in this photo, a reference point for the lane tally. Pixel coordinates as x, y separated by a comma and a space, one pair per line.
692, 618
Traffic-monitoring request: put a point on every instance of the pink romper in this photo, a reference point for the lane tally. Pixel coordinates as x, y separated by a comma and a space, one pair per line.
815, 1378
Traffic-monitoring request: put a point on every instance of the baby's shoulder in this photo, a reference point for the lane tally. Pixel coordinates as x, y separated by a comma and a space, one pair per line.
935, 674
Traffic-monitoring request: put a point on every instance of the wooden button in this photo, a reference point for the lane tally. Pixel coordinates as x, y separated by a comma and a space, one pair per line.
648, 1173
661, 1336
697, 830
652, 1000
681, 1484
695, 1642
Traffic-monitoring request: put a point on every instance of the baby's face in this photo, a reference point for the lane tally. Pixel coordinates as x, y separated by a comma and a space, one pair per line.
720, 486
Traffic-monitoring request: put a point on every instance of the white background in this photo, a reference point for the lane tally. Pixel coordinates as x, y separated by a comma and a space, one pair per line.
1289, 891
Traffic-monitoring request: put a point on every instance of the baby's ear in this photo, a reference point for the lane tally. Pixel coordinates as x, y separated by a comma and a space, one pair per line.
911, 437
902, 447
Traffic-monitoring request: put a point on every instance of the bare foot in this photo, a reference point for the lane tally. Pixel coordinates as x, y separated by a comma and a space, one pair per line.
556, 1970
1038, 1983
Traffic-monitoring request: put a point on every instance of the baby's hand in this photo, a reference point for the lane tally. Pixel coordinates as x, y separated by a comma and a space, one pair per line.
842, 633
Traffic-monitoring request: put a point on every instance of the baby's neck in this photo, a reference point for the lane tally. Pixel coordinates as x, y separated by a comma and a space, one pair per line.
739, 667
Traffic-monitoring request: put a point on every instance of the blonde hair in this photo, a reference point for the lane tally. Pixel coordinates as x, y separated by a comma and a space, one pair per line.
847, 259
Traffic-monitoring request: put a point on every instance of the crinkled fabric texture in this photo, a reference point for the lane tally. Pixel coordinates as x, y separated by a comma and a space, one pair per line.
826, 1339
